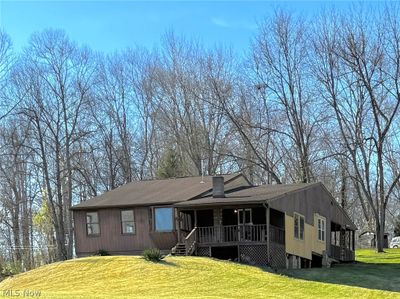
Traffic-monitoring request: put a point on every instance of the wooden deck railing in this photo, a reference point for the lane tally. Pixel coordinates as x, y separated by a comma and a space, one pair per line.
239, 233
342, 254
207, 234
277, 234
349, 255
335, 252
190, 242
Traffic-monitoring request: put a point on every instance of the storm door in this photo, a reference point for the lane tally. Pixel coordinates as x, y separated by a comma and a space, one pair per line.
245, 221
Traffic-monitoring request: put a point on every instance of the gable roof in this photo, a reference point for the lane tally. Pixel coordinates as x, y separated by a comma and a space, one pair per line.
250, 195
153, 192
262, 194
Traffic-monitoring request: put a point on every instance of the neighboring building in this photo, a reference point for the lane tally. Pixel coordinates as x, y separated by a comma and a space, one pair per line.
223, 217
367, 239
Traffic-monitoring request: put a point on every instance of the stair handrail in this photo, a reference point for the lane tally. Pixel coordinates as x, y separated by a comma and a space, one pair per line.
190, 241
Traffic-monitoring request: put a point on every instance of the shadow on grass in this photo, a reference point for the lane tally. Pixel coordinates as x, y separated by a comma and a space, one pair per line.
162, 262
90, 260
110, 259
166, 263
366, 275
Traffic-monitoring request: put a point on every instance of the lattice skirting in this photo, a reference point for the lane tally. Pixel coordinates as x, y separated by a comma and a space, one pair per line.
203, 251
253, 254
277, 255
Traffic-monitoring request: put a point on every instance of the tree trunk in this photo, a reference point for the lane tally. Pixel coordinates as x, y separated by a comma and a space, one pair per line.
379, 237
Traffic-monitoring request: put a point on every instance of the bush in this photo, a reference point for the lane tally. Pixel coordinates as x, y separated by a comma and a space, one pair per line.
152, 255
9, 270
102, 252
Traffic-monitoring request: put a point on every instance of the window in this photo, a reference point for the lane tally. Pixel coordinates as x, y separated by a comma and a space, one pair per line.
128, 222
302, 228
321, 229
92, 223
163, 219
298, 226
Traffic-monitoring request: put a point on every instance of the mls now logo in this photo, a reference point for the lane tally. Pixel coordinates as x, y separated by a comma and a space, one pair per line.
21, 294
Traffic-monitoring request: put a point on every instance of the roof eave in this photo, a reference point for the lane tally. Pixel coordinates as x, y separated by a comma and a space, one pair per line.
209, 204
98, 207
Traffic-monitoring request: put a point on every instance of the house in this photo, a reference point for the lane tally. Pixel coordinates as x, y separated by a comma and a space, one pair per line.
290, 225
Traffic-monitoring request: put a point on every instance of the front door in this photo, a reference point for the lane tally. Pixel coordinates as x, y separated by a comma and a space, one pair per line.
244, 221
244, 217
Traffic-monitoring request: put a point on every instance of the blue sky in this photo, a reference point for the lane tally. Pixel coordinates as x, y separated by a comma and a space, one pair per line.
111, 25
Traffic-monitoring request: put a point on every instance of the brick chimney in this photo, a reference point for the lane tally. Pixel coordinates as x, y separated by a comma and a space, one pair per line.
218, 186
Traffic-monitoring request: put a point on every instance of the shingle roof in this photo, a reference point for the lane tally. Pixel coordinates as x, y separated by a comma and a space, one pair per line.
152, 192
247, 196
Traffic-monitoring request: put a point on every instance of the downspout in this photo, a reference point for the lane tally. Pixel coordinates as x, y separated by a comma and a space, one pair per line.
266, 206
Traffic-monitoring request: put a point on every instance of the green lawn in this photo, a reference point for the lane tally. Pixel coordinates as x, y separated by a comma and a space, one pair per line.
372, 271
196, 277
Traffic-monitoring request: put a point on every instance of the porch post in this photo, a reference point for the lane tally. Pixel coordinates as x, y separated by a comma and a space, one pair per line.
349, 239
342, 241
268, 234
217, 224
335, 236
354, 240
195, 218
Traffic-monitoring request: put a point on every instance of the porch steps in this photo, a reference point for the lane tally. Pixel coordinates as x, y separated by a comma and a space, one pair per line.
179, 250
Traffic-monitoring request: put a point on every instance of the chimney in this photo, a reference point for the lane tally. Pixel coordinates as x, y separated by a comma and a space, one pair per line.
218, 186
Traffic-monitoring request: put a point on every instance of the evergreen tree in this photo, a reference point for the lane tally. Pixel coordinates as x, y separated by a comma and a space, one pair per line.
171, 165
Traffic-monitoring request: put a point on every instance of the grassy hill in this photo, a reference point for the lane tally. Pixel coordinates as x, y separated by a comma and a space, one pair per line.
196, 277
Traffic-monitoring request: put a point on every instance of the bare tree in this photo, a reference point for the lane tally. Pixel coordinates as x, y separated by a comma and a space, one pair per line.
358, 67
281, 59
189, 116
7, 103
54, 78
16, 195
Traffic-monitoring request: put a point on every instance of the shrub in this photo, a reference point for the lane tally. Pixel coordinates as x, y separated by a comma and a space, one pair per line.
152, 255
9, 270
102, 252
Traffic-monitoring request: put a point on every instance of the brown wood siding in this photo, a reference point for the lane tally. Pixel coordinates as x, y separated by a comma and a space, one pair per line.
112, 240
310, 201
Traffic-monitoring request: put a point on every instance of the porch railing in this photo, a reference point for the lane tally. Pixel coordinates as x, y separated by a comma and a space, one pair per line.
239, 233
277, 234
349, 255
190, 242
342, 254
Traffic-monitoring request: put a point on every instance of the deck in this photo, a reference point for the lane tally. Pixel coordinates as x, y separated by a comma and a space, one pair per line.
235, 234
342, 254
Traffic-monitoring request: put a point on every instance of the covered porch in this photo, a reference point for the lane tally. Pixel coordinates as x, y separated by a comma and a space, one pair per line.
342, 243
236, 232
234, 224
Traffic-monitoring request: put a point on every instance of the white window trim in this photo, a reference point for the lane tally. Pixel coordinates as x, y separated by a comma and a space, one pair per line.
122, 222
91, 223
322, 218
